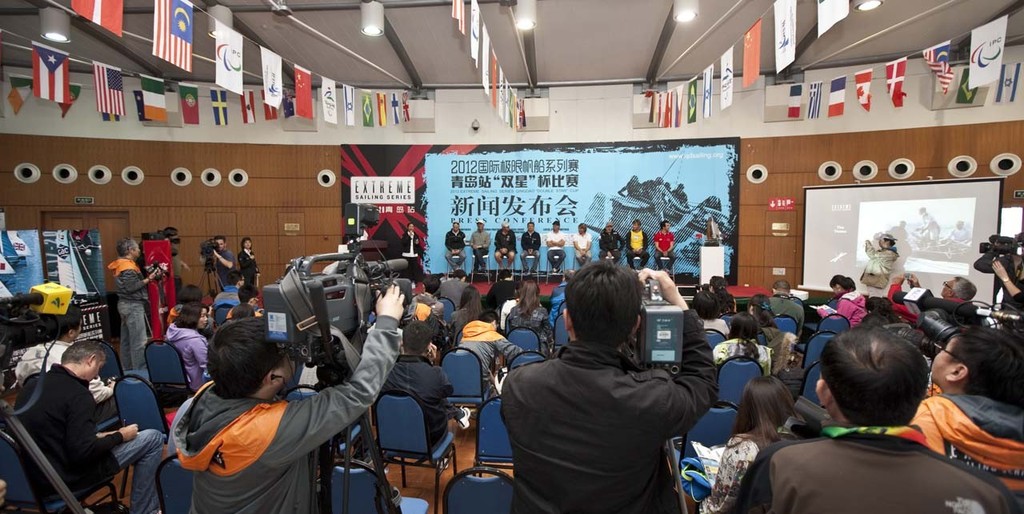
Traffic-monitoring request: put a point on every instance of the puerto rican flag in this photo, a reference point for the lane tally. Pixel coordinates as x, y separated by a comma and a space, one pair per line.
50, 74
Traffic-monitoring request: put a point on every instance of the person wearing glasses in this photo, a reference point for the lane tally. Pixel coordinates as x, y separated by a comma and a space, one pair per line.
956, 289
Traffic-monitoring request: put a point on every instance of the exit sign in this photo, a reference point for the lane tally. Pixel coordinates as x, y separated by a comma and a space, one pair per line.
1018, 194
85, 200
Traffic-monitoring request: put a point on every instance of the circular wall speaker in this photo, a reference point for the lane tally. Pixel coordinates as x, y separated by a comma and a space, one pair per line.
962, 166
757, 174
65, 173
181, 176
865, 170
100, 174
1005, 164
901, 168
27, 172
211, 177
326, 178
830, 171
238, 177
132, 175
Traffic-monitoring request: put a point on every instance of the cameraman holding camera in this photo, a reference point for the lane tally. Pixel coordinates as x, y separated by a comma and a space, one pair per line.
132, 296
254, 454
587, 429
225, 260
1001, 256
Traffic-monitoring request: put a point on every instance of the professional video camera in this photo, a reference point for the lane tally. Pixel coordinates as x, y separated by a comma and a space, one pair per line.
29, 319
659, 340
1002, 245
206, 248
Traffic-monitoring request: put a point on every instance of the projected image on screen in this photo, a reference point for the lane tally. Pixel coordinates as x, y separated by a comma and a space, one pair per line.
932, 236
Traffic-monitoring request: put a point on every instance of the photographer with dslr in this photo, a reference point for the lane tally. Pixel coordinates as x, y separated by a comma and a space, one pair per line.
132, 296
255, 454
588, 428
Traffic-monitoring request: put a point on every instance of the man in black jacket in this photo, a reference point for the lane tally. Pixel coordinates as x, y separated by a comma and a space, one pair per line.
455, 247
62, 424
587, 429
531, 248
611, 243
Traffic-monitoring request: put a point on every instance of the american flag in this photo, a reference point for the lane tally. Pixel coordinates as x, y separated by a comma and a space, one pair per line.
814, 104
172, 32
937, 58
459, 13
109, 89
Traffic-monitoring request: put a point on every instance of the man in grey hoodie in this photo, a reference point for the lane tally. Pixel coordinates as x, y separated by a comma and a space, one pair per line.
255, 454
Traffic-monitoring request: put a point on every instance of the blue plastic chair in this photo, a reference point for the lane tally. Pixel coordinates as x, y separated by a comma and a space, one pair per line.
811, 376
465, 372
492, 444
137, 404
560, 333
786, 323
403, 437
733, 376
834, 323
166, 369
174, 487
815, 346
112, 366
762, 339
479, 489
714, 337
449, 309
23, 494
727, 318
299, 393
525, 338
525, 358
363, 491
220, 314
713, 428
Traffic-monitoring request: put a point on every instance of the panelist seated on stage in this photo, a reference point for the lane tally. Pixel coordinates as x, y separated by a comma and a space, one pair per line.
555, 241
582, 244
664, 241
505, 247
610, 243
636, 247
480, 241
455, 246
531, 248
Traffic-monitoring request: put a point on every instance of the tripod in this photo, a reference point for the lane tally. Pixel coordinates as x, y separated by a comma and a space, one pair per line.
211, 278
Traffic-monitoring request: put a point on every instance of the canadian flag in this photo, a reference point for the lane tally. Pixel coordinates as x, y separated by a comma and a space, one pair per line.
863, 79
894, 73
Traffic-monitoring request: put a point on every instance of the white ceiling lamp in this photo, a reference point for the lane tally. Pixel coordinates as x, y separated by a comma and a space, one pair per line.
526, 14
222, 14
685, 10
866, 5
55, 24
373, 18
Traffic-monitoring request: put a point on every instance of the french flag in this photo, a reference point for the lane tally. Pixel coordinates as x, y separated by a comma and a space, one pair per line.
837, 97
796, 92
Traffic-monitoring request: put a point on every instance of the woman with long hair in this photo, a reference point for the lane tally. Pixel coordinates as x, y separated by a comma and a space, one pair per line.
529, 313
743, 342
184, 336
780, 342
764, 408
247, 263
470, 308
725, 299
849, 302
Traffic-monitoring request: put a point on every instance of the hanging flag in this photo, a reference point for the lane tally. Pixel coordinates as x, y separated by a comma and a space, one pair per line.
837, 97
1008, 79
140, 105
459, 13
367, 107
272, 88
110, 117
50, 73
303, 93
796, 96
785, 34
109, 85
965, 94
229, 58
666, 119
153, 100
189, 94
501, 93
987, 52
485, 56
691, 101
350, 107
752, 54
474, 32
494, 79
814, 102
105, 13
677, 114
288, 104
1, 45
863, 80
709, 80
395, 113
248, 99
895, 72
727, 76
652, 109
329, 99
937, 58
172, 32
76, 89
20, 89
522, 113
831, 12
269, 111
219, 102
405, 107
382, 109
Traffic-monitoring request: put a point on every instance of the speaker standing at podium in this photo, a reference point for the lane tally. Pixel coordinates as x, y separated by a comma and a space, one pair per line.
412, 250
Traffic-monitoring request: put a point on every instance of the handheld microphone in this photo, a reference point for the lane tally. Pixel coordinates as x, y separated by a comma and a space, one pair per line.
48, 298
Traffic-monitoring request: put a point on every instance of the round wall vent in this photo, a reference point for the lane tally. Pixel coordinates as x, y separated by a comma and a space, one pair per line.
1005, 164
100, 174
238, 177
132, 175
757, 174
27, 172
962, 166
326, 178
901, 169
65, 173
865, 170
830, 171
181, 176
211, 177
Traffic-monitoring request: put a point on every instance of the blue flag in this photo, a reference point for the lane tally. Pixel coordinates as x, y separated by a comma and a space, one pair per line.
288, 103
219, 102
140, 105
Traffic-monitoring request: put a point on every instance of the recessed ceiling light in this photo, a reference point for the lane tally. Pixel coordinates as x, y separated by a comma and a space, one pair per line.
866, 5
685, 10
526, 14
55, 24
373, 18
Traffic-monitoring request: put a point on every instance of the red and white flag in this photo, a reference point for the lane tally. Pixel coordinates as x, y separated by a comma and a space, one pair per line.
248, 107
863, 81
172, 32
108, 14
303, 93
269, 112
50, 74
109, 88
459, 13
894, 74
796, 96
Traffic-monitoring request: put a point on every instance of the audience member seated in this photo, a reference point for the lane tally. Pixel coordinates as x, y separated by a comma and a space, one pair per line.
242, 310
250, 294
979, 418
780, 342
431, 283
764, 408
956, 289
529, 313
869, 460
880, 312
742, 341
39, 358
229, 296
558, 296
415, 375
482, 338
707, 308
588, 429
506, 309
188, 294
470, 307
849, 302
720, 288
451, 288
191, 345
62, 422
502, 290
783, 303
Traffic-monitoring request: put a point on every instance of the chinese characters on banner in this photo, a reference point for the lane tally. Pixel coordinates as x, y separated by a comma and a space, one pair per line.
784, 203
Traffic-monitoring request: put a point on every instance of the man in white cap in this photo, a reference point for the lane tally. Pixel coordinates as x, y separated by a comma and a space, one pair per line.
505, 247
481, 243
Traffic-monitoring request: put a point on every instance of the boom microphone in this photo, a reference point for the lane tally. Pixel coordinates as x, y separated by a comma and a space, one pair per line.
48, 298
927, 301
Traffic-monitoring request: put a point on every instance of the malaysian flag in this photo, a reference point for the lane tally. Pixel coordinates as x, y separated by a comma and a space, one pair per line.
937, 58
814, 103
172, 32
109, 89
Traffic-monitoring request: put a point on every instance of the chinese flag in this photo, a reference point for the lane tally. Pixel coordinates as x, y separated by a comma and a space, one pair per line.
752, 54
303, 93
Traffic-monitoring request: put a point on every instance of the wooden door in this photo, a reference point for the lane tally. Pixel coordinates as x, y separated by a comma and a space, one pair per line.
113, 226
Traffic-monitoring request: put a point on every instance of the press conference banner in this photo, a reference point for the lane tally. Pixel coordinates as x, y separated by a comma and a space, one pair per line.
685, 182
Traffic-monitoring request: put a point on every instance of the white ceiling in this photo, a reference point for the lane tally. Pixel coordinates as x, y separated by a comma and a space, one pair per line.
576, 40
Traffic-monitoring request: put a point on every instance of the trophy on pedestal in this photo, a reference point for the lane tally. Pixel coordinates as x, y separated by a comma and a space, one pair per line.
713, 234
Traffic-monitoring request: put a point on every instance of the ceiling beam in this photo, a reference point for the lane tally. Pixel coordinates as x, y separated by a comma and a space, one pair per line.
714, 26
244, 29
530, 51
396, 44
342, 5
659, 50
